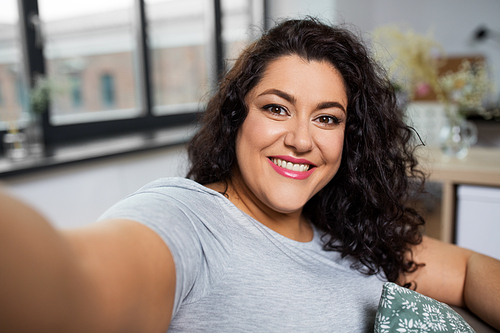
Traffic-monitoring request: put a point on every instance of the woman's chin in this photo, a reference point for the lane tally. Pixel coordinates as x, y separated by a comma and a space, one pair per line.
287, 206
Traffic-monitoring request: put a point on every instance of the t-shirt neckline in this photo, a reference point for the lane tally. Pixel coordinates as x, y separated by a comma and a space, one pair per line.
313, 243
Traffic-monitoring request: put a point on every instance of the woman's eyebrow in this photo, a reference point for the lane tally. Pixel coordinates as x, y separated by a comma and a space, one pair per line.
328, 105
289, 98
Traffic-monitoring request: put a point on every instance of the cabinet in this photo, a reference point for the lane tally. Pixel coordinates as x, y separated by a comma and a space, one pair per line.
480, 167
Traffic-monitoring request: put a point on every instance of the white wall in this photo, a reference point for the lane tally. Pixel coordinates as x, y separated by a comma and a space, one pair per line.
324, 9
76, 195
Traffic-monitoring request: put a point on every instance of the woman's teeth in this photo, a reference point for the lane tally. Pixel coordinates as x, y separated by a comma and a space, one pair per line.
290, 165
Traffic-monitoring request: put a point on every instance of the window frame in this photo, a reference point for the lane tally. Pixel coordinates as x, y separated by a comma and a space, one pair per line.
34, 64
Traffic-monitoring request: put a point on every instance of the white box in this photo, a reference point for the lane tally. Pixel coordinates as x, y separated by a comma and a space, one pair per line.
478, 219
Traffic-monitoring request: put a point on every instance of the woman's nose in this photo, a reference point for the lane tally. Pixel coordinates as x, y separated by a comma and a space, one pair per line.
299, 136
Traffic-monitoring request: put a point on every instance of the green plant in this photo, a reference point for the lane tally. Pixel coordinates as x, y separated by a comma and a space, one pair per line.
40, 95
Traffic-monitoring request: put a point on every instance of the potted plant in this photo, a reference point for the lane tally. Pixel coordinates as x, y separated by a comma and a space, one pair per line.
39, 99
21, 142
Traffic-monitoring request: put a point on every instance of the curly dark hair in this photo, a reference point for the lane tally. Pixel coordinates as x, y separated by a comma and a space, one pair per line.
364, 210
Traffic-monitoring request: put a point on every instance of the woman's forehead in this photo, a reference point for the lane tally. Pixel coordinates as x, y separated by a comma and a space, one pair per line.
297, 76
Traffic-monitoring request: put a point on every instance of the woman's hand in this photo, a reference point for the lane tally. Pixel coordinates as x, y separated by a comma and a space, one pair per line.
459, 277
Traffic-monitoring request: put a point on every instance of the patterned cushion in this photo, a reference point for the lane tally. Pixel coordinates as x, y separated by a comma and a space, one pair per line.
406, 311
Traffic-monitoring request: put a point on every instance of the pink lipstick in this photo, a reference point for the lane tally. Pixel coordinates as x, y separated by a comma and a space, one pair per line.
299, 175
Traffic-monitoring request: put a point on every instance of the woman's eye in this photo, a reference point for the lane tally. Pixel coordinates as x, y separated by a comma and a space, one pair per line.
276, 109
328, 120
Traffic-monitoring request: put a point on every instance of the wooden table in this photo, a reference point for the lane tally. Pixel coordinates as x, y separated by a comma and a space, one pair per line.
480, 167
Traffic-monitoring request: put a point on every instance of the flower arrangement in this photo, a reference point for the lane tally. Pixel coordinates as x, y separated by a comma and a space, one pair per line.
412, 60
467, 87
415, 61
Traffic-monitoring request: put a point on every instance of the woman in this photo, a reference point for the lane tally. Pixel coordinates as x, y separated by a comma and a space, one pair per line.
296, 216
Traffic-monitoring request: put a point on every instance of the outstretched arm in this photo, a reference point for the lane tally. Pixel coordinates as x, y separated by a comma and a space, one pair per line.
458, 276
112, 276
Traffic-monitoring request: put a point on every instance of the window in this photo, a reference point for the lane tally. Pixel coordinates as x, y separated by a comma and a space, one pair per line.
76, 91
12, 82
91, 38
115, 66
179, 45
108, 90
21, 93
242, 21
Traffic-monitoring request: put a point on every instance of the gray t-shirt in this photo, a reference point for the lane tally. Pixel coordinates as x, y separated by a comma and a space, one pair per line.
236, 275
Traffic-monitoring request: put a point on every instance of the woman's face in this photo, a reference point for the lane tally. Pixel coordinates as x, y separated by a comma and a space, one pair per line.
290, 144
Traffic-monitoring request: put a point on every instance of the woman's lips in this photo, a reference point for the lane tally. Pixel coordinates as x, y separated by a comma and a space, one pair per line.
290, 167
293, 159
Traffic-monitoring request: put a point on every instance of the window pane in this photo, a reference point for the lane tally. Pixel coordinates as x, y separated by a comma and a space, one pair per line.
108, 90
241, 23
90, 56
13, 93
76, 90
178, 39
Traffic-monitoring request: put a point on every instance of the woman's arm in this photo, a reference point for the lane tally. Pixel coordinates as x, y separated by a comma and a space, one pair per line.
482, 288
458, 276
112, 276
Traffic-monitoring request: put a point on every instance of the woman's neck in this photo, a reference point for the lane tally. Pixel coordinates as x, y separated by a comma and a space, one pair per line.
291, 225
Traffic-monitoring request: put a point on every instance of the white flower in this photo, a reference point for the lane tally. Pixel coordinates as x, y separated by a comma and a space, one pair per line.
411, 326
466, 87
383, 324
388, 296
457, 324
409, 57
410, 306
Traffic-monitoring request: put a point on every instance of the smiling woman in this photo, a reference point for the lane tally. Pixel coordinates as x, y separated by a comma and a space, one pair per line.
307, 90
295, 215
299, 123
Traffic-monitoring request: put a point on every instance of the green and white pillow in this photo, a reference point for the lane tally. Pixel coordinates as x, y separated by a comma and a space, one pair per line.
406, 311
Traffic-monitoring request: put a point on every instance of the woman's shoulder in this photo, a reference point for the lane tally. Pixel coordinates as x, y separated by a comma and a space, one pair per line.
168, 199
180, 184
180, 190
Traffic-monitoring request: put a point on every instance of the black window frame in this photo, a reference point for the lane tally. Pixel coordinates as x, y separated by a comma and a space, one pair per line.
34, 63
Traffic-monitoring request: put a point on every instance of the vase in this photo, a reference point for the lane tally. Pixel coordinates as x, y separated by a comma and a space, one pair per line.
458, 134
14, 145
34, 135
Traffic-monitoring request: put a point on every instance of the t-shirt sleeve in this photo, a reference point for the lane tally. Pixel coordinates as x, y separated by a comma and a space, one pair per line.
176, 225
